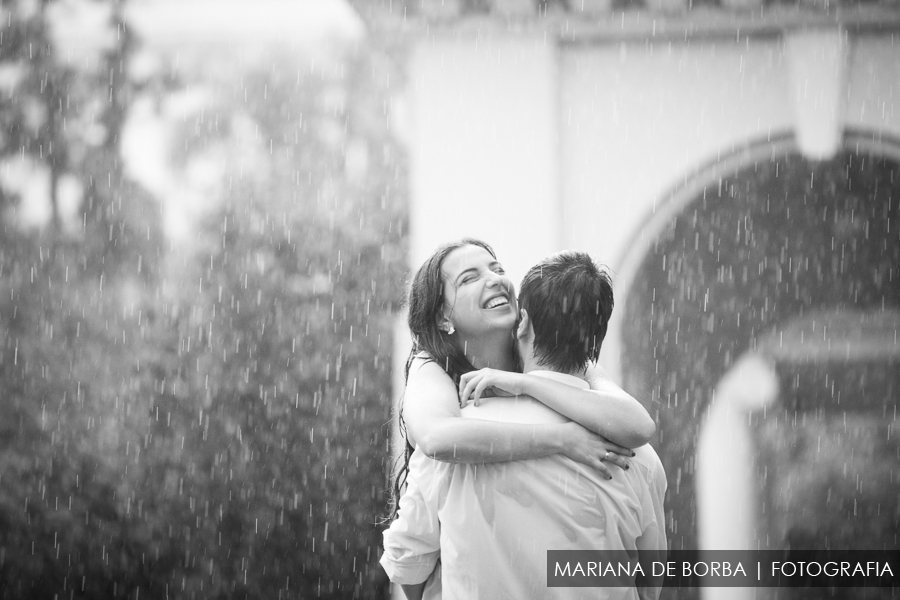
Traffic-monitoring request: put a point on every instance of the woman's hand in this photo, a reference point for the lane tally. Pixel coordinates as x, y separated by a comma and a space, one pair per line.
593, 450
474, 385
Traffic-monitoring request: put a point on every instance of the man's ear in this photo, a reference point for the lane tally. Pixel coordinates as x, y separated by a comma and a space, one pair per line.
524, 330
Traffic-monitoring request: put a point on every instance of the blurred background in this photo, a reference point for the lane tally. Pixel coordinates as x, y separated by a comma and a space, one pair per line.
209, 209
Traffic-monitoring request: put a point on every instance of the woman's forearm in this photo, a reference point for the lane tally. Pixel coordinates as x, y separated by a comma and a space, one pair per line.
479, 441
432, 415
607, 410
459, 440
434, 424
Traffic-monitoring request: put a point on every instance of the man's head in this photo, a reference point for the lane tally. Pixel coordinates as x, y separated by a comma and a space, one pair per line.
565, 303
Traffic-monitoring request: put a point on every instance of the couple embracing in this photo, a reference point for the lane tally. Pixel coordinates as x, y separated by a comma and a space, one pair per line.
516, 443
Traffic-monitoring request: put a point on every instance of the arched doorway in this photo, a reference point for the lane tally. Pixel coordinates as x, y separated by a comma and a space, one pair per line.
812, 400
798, 450
759, 240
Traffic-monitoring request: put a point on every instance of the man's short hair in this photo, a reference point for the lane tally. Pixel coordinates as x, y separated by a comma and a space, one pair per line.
569, 300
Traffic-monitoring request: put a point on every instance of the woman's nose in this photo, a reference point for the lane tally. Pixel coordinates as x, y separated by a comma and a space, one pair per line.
495, 280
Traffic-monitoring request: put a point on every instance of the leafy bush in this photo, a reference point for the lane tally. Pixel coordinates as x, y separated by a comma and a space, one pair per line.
206, 420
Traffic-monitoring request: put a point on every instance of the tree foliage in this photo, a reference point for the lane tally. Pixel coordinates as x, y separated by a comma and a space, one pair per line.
208, 421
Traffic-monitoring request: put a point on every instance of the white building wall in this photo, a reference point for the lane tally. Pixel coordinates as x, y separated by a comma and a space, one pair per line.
536, 146
640, 118
873, 84
484, 147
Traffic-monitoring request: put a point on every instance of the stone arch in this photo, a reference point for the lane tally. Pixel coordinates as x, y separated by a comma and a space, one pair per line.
753, 241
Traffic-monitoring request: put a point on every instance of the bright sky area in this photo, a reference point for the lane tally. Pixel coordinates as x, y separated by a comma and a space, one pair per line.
184, 32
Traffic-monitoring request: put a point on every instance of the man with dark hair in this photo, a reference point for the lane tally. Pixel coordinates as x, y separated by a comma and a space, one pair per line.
494, 523
571, 300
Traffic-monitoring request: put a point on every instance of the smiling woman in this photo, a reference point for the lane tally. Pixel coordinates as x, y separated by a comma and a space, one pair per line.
462, 313
479, 303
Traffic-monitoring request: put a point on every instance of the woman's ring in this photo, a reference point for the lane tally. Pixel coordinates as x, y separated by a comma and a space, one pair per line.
606, 456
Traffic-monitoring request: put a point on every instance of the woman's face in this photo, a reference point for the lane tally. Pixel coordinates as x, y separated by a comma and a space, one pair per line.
478, 296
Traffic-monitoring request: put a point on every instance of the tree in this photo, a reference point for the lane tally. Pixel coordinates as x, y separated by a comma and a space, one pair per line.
289, 324
209, 422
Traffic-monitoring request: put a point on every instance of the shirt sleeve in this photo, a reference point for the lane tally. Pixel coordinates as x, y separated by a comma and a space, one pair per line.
412, 543
658, 486
653, 541
653, 516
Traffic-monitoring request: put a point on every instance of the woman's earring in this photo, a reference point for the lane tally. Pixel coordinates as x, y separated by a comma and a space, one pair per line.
451, 330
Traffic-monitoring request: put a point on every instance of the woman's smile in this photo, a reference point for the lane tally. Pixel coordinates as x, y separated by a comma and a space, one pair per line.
478, 295
497, 301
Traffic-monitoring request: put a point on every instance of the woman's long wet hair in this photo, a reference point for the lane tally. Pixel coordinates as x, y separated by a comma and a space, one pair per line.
424, 302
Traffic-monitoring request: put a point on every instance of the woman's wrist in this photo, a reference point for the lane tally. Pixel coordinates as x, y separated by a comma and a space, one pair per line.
549, 438
527, 385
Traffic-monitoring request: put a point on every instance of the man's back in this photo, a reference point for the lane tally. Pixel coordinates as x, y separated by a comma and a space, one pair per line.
498, 520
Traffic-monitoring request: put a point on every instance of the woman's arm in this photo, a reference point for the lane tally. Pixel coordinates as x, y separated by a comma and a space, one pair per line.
432, 415
605, 409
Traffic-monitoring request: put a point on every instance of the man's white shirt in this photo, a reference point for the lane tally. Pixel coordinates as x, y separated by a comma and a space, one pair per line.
488, 527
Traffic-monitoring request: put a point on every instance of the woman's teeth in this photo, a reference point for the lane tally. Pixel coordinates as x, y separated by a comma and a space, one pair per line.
495, 302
